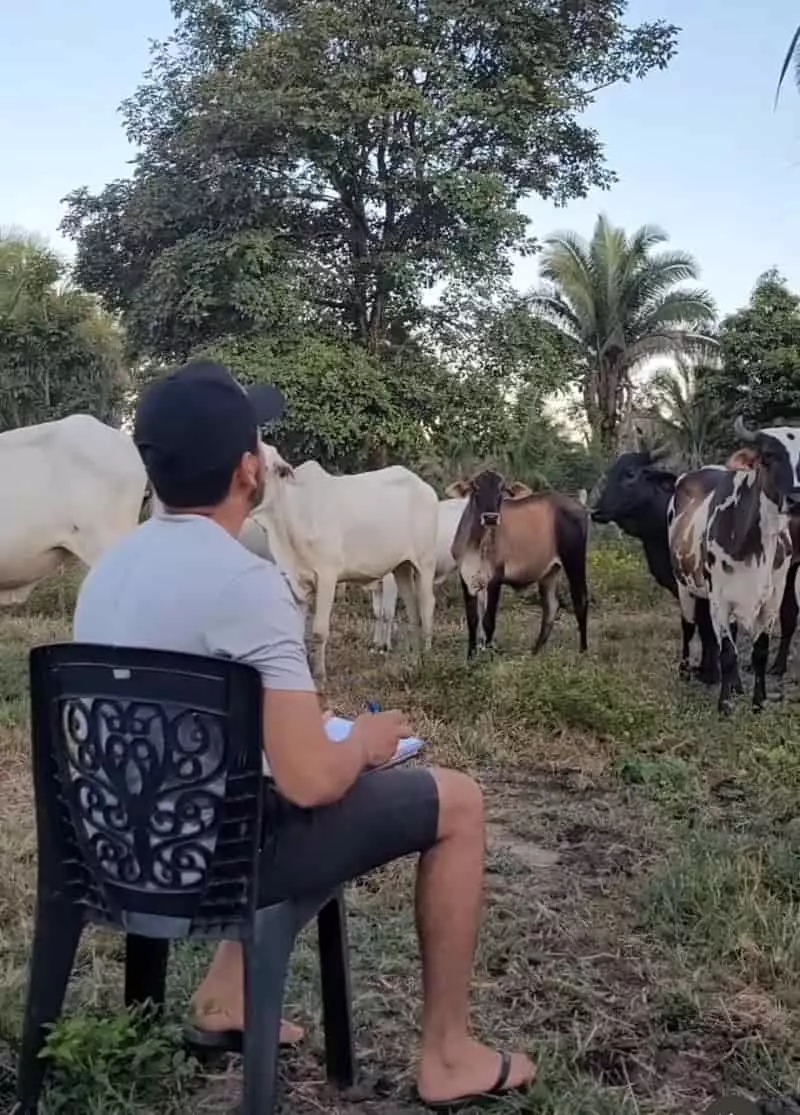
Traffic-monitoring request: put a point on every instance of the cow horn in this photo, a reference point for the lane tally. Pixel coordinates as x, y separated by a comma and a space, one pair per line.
659, 452
742, 431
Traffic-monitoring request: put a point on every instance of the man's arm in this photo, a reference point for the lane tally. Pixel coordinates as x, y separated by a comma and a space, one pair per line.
257, 621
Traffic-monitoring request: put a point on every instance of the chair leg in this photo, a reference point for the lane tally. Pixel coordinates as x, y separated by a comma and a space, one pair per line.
266, 962
145, 971
56, 936
334, 962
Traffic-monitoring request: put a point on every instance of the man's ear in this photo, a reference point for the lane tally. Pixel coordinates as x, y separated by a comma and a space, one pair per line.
516, 490
661, 477
459, 489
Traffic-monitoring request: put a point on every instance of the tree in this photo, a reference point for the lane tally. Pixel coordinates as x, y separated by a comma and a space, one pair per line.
59, 352
364, 149
621, 301
759, 368
685, 417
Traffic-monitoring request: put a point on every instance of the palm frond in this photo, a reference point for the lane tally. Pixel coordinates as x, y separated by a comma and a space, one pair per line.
791, 53
682, 307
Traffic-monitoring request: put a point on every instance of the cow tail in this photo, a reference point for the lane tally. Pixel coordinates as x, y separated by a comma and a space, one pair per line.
572, 534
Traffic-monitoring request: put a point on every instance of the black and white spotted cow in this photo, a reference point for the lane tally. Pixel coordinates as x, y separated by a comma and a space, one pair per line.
730, 544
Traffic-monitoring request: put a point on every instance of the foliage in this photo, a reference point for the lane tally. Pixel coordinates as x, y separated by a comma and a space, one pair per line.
369, 150
59, 352
791, 58
759, 370
122, 1064
685, 417
621, 301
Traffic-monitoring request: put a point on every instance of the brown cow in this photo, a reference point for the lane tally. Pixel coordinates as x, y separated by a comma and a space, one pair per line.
508, 535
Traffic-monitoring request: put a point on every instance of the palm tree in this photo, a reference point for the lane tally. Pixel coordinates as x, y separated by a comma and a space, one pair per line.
685, 416
792, 55
622, 302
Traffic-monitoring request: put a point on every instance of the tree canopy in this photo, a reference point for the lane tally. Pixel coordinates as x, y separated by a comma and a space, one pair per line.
350, 154
59, 351
622, 303
758, 374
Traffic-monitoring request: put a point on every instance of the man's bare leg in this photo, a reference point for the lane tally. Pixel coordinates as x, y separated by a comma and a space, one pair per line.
449, 898
219, 1000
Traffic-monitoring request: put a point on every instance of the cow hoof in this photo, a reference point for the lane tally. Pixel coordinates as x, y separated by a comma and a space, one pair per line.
685, 671
726, 708
738, 688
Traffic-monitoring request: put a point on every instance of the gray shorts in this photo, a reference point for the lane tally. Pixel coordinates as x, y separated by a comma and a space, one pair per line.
385, 815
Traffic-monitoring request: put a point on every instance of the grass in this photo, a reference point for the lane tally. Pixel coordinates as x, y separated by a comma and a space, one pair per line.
642, 928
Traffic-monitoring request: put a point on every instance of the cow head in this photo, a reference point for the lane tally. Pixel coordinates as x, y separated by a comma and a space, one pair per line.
275, 470
632, 487
474, 543
774, 453
486, 492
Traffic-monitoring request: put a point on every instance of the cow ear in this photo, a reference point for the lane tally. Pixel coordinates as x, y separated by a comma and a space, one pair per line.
458, 489
516, 490
662, 477
742, 459
285, 471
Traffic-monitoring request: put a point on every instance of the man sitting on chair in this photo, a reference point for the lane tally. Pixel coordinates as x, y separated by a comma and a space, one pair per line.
182, 582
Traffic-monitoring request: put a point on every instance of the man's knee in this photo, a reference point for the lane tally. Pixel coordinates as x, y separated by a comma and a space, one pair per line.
460, 802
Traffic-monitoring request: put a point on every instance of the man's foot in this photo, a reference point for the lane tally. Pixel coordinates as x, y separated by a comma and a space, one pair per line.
471, 1070
215, 1027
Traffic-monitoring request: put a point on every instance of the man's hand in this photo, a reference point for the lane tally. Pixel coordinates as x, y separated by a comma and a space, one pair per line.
378, 733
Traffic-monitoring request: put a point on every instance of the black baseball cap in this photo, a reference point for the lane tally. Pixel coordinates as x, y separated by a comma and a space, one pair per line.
193, 426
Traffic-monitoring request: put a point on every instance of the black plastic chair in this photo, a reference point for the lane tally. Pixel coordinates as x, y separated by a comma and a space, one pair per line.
147, 770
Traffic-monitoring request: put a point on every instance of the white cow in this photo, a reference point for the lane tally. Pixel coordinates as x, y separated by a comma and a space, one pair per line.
71, 486
323, 529
384, 592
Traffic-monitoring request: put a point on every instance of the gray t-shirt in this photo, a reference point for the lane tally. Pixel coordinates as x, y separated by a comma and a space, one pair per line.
182, 583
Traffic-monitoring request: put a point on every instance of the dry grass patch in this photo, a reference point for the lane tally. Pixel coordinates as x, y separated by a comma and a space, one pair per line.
642, 877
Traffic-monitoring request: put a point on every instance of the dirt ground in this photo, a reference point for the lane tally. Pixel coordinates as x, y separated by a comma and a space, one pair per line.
641, 935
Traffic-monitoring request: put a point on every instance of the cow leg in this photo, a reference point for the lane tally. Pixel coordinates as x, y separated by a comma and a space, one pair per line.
406, 586
549, 597
688, 606
573, 559
481, 600
376, 595
759, 661
389, 609
487, 603
738, 687
426, 602
728, 670
471, 613
321, 626
687, 634
708, 670
788, 614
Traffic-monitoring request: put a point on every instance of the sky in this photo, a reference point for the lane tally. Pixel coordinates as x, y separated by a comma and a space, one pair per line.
698, 149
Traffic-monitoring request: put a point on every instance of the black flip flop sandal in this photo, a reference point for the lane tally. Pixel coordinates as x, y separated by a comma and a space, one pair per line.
480, 1099
208, 1042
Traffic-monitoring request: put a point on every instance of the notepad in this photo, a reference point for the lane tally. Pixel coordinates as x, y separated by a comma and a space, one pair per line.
337, 728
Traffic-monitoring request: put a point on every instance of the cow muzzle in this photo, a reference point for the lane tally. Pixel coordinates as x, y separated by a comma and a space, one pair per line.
490, 518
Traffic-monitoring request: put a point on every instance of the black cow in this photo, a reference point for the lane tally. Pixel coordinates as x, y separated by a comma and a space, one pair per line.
635, 497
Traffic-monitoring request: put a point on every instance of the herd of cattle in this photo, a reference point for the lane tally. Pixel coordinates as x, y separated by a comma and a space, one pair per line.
722, 539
